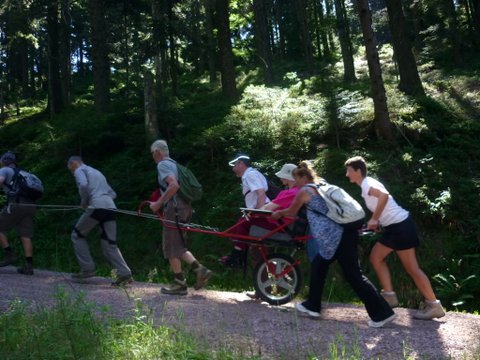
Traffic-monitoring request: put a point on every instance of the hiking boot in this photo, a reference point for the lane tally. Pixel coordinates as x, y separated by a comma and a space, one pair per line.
303, 309
203, 275
83, 275
26, 269
123, 280
430, 311
177, 288
390, 297
8, 259
377, 324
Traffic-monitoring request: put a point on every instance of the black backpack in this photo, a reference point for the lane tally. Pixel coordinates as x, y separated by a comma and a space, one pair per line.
273, 189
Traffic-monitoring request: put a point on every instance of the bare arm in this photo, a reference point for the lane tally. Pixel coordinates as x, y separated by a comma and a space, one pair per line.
261, 198
270, 206
170, 191
301, 198
382, 197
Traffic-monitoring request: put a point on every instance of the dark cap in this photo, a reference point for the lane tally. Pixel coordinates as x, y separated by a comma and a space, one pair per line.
240, 157
8, 158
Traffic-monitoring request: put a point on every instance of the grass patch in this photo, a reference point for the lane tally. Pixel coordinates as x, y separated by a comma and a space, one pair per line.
76, 329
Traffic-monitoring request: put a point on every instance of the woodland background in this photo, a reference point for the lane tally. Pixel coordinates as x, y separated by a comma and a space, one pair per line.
283, 80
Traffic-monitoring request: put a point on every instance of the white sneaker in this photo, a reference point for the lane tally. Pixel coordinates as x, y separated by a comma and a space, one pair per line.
377, 324
304, 310
431, 311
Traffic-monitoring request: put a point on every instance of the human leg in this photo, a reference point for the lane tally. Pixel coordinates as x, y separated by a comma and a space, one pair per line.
9, 256
318, 274
175, 245
237, 257
27, 268
347, 256
433, 307
179, 285
409, 261
80, 246
377, 259
27, 246
6, 224
110, 248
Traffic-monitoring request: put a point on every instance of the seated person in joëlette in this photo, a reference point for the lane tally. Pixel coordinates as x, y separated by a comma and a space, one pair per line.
281, 201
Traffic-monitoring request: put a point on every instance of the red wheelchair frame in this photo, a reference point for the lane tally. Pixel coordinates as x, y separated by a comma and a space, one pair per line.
277, 277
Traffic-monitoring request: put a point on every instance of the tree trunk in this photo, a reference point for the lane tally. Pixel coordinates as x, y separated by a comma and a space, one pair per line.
382, 116
305, 35
159, 10
320, 33
125, 48
345, 42
453, 31
229, 87
65, 51
55, 99
172, 48
317, 28
475, 7
262, 42
331, 41
150, 108
279, 10
211, 47
410, 82
100, 61
198, 58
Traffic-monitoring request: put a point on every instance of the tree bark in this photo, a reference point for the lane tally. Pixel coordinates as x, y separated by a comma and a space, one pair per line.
410, 82
331, 41
65, 51
345, 42
229, 87
453, 32
100, 61
172, 48
382, 116
320, 32
211, 47
150, 108
475, 6
55, 99
475, 13
262, 40
159, 46
305, 35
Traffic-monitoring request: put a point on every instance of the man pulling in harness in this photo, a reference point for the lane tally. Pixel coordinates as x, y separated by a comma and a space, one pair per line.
97, 198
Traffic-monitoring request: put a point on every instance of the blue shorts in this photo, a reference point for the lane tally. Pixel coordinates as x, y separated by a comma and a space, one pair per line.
400, 236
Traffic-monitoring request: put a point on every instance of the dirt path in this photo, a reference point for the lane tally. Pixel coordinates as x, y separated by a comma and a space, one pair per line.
232, 320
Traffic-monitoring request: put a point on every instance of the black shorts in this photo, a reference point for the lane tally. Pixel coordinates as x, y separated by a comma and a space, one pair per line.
400, 236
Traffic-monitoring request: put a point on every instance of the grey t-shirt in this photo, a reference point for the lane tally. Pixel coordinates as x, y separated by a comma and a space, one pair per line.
93, 188
166, 168
6, 172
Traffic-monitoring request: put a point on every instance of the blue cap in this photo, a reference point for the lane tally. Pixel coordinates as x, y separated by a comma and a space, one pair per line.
8, 158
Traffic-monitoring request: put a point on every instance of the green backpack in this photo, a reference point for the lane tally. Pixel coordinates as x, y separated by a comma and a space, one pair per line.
190, 188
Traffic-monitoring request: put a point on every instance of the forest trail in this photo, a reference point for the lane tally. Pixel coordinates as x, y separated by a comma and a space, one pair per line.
231, 320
